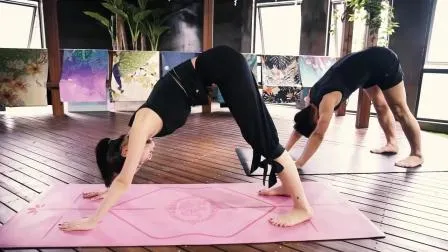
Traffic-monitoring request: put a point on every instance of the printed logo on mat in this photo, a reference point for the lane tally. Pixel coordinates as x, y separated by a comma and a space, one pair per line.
34, 210
192, 209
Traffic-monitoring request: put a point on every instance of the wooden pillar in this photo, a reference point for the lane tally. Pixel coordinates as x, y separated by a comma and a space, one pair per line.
364, 102
207, 39
50, 10
347, 39
363, 111
246, 27
313, 34
410, 41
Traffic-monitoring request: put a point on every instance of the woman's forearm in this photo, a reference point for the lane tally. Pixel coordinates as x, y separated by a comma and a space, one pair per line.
138, 134
293, 138
311, 147
116, 190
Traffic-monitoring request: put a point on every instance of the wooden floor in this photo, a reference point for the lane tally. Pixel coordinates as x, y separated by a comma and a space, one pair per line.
37, 151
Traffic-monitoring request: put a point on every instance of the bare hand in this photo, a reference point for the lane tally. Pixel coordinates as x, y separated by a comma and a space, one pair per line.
94, 195
78, 225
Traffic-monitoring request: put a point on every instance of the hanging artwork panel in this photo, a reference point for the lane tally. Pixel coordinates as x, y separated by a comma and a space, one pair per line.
251, 60
23, 77
279, 70
281, 79
134, 74
312, 68
84, 74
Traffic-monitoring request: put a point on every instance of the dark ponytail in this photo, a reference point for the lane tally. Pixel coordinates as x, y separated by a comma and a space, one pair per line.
304, 121
109, 158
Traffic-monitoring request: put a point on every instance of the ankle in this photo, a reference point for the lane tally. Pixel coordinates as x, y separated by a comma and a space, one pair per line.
308, 209
301, 204
416, 154
392, 143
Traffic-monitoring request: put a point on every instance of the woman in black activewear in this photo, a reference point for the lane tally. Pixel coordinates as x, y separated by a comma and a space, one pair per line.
167, 109
377, 70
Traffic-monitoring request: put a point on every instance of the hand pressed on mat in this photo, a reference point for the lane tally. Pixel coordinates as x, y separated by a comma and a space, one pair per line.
96, 195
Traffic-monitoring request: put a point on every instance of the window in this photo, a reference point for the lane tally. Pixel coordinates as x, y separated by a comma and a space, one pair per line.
336, 32
274, 22
20, 24
434, 86
437, 52
433, 102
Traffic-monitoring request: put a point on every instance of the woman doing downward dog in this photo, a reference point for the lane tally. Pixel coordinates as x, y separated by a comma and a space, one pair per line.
167, 109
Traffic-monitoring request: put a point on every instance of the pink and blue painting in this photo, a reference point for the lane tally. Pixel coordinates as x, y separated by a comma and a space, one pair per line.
312, 68
84, 73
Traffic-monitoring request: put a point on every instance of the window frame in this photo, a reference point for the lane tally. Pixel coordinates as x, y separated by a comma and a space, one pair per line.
256, 4
37, 9
429, 67
331, 8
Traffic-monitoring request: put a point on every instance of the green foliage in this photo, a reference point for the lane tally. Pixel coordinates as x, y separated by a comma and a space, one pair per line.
373, 10
115, 10
153, 28
98, 17
104, 21
140, 20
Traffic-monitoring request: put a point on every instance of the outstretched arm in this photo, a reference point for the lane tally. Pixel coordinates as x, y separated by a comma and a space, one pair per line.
293, 138
145, 126
326, 108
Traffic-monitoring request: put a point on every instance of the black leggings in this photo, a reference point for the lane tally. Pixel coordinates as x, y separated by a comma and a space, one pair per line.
229, 70
185, 86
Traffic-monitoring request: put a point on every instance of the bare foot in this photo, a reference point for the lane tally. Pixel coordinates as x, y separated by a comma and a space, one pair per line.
410, 162
294, 217
388, 149
275, 191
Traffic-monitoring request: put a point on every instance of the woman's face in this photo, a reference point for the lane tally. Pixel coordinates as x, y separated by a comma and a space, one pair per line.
147, 151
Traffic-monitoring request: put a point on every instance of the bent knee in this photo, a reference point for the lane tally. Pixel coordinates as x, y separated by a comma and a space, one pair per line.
381, 108
400, 111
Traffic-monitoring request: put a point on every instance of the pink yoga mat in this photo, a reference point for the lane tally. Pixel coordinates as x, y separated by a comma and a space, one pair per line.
181, 214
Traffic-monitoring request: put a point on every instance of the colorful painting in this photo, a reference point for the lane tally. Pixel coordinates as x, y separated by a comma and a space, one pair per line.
283, 95
281, 79
312, 68
251, 62
23, 77
172, 59
280, 71
84, 74
134, 74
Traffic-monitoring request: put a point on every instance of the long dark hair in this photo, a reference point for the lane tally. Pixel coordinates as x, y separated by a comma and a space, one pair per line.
109, 158
304, 121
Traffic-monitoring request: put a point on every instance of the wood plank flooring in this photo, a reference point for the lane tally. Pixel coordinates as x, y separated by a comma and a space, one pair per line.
37, 151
